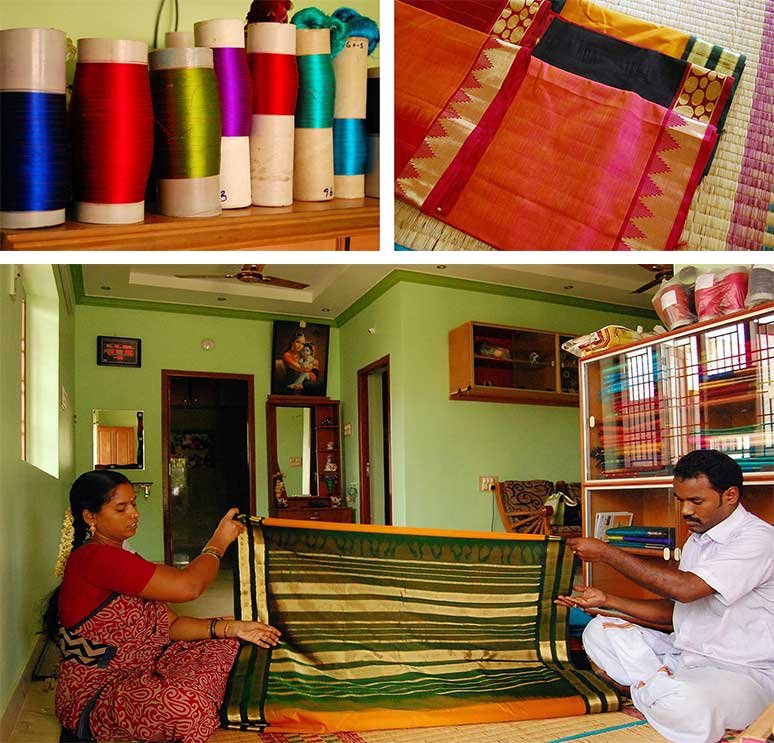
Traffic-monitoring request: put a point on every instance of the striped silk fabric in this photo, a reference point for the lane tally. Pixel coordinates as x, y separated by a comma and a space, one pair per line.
386, 627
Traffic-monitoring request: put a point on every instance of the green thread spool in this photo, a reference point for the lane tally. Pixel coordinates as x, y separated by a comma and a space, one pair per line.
186, 110
316, 92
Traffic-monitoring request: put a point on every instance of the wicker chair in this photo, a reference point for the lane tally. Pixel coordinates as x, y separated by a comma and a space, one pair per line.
523, 509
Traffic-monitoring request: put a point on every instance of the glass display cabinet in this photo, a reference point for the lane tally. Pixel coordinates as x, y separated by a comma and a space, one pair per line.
643, 406
502, 363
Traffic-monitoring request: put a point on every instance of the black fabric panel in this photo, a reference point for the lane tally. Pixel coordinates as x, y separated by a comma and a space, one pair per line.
652, 75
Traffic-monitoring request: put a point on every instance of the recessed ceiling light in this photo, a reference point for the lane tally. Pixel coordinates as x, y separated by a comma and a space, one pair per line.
569, 286
440, 268
221, 299
325, 309
105, 288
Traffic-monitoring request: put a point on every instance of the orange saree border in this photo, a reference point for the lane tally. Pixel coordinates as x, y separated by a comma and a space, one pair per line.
287, 720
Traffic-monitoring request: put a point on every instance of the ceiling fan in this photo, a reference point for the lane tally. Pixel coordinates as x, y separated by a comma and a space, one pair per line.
661, 271
249, 274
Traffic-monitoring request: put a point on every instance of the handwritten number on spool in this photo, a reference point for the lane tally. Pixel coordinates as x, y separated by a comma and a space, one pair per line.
356, 44
223, 196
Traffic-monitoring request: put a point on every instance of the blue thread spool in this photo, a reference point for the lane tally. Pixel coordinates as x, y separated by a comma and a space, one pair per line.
349, 132
34, 152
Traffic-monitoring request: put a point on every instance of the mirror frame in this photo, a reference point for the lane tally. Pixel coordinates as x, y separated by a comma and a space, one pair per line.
140, 441
272, 403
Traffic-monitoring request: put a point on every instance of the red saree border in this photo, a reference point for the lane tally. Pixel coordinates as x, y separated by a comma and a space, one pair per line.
450, 185
705, 152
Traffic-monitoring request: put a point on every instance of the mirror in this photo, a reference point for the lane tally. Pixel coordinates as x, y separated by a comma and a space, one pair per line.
294, 449
118, 439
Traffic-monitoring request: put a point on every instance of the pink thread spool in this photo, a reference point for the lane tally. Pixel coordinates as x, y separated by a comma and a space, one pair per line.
672, 305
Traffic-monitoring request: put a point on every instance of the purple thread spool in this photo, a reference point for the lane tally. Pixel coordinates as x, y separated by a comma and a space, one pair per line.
225, 36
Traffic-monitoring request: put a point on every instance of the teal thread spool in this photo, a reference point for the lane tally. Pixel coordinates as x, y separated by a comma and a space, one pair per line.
313, 162
351, 70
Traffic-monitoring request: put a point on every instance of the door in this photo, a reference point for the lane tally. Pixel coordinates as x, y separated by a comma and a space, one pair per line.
373, 386
208, 440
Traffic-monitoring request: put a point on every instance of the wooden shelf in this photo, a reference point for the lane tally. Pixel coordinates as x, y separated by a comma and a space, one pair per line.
341, 224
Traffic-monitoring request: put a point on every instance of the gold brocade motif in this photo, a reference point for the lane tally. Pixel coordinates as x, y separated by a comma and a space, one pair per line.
457, 121
516, 18
699, 94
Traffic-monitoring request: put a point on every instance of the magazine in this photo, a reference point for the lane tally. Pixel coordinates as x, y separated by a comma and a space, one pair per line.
605, 520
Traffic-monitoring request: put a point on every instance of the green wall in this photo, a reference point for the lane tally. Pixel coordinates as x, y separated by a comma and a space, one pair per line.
441, 446
170, 341
137, 19
32, 502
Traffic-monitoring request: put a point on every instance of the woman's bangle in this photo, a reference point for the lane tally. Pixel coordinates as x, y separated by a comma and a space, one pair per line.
212, 551
213, 622
225, 630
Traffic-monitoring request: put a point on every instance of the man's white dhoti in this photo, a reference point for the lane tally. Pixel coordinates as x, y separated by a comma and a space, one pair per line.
685, 704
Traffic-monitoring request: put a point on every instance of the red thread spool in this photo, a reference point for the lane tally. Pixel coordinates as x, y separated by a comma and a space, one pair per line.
275, 83
112, 118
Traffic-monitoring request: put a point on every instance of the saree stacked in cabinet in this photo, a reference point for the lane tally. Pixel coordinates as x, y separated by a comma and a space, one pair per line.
553, 127
388, 627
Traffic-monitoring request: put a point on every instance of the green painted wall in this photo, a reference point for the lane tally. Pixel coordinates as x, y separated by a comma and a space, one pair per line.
137, 19
170, 341
440, 446
32, 502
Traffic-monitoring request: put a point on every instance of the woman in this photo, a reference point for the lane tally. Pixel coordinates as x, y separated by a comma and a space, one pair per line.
293, 374
131, 668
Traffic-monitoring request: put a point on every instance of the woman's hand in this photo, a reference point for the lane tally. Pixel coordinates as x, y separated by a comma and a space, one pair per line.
226, 531
263, 635
590, 598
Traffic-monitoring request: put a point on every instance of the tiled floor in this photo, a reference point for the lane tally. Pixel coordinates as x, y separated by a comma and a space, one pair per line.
37, 723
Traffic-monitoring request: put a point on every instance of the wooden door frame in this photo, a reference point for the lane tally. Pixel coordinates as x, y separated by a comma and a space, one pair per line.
363, 439
166, 376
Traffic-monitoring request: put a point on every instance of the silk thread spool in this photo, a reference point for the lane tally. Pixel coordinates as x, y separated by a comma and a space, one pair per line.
313, 160
672, 305
350, 151
349, 122
372, 130
271, 48
225, 36
34, 154
112, 121
186, 110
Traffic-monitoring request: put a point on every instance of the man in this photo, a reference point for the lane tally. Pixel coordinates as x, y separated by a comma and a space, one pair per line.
716, 669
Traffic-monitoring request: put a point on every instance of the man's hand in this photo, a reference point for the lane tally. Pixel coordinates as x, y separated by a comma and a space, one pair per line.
590, 598
589, 550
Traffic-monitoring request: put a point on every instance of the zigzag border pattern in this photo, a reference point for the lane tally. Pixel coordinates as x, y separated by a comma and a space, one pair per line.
456, 122
660, 193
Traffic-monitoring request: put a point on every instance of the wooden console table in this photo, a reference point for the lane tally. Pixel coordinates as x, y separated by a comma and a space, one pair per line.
341, 224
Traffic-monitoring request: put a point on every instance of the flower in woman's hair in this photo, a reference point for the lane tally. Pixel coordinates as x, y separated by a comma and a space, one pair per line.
65, 543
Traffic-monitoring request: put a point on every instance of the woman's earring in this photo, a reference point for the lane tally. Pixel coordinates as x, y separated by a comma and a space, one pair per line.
92, 529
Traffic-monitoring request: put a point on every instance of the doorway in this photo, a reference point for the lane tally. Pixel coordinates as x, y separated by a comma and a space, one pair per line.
208, 440
373, 407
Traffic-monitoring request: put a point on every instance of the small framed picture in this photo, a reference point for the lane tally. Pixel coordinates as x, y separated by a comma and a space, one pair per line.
112, 351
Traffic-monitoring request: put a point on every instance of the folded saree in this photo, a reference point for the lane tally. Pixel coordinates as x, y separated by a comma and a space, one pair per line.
543, 134
388, 627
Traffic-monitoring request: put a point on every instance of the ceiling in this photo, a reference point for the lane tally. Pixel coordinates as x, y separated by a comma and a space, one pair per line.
333, 288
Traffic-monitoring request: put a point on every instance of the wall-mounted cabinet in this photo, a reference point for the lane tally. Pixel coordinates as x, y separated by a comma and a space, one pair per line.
502, 363
708, 386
